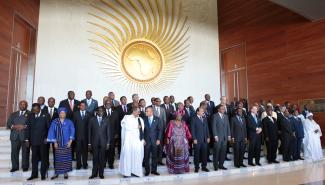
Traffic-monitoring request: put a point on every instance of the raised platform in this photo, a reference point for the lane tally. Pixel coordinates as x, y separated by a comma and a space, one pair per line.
80, 177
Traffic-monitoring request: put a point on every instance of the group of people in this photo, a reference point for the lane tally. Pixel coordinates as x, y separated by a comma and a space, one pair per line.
143, 135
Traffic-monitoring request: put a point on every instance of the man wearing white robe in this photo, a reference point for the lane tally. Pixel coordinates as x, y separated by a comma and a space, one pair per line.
132, 147
312, 143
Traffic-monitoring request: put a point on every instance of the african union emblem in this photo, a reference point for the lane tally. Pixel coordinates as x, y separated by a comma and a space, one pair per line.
141, 43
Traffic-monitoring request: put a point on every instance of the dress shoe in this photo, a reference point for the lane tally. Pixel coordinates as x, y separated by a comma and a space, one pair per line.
31, 178
146, 174
92, 177
43, 178
215, 169
251, 164
258, 164
155, 173
54, 177
209, 160
227, 159
276, 162
78, 168
242, 165
205, 169
196, 170
161, 163
237, 166
13, 170
301, 158
85, 167
223, 168
111, 167
25, 169
66, 176
101, 177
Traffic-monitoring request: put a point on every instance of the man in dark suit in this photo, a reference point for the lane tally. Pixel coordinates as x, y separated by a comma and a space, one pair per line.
41, 102
114, 124
172, 103
98, 141
201, 138
168, 109
122, 111
299, 130
210, 104
142, 106
270, 129
288, 137
254, 127
189, 112
221, 133
36, 135
152, 137
135, 100
70, 104
91, 104
161, 114
115, 103
17, 123
80, 119
238, 137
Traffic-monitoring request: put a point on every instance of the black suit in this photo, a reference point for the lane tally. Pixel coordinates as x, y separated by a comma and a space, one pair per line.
288, 139
254, 148
54, 115
65, 103
36, 135
98, 137
152, 133
200, 132
17, 138
270, 128
81, 125
114, 125
169, 112
239, 134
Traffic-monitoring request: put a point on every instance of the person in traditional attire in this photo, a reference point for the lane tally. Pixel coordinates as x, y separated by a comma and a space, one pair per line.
62, 133
312, 145
132, 149
177, 148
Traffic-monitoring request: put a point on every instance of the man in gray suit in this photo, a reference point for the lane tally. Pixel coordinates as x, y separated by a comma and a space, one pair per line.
91, 104
161, 114
221, 134
17, 123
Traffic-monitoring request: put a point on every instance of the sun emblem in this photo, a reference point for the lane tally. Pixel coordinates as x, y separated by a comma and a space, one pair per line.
140, 43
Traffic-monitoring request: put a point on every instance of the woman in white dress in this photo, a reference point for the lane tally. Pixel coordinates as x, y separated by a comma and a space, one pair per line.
132, 144
312, 144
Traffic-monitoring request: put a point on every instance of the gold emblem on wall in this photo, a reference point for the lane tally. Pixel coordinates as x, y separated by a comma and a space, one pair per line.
141, 43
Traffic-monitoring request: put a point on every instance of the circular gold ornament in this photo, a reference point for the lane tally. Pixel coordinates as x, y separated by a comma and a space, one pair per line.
141, 61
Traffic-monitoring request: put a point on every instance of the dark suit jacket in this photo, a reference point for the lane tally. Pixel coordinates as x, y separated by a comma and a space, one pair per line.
119, 109
238, 128
200, 130
298, 126
114, 123
220, 127
154, 132
252, 125
188, 115
65, 103
287, 128
55, 113
99, 135
211, 108
169, 112
81, 125
37, 129
15, 119
270, 128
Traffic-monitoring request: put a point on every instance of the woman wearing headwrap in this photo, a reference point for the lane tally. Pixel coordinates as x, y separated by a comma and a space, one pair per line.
177, 148
312, 144
62, 133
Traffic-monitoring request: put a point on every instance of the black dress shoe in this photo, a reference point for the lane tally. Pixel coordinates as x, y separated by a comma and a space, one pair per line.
78, 168
25, 169
101, 177
43, 178
251, 164
237, 166
31, 178
301, 158
223, 168
13, 170
209, 160
155, 173
242, 165
276, 162
92, 177
227, 159
205, 169
258, 164
161, 163
54, 177
111, 167
146, 174
215, 169
66, 176
85, 167
196, 170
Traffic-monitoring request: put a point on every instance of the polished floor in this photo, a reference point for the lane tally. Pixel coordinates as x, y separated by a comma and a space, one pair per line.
311, 174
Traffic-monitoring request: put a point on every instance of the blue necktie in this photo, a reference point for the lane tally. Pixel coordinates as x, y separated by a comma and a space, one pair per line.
255, 119
150, 122
99, 120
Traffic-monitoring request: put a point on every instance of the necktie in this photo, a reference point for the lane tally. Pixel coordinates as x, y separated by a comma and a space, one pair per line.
241, 121
71, 105
188, 111
82, 114
51, 112
158, 110
124, 108
255, 119
36, 115
150, 122
167, 107
201, 119
99, 120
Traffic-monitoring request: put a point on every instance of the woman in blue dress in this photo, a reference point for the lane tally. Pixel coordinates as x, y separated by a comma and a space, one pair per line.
62, 133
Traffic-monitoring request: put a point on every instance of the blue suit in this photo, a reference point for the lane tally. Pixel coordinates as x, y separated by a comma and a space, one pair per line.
299, 130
